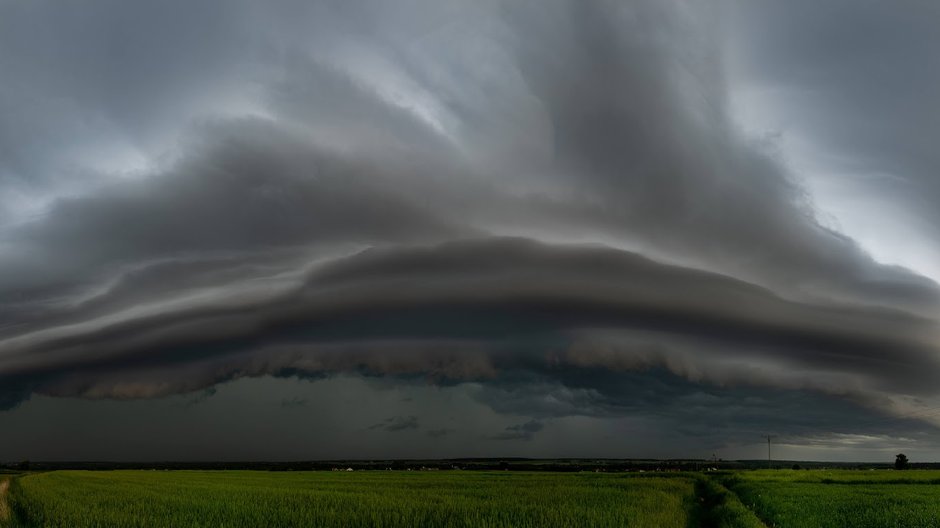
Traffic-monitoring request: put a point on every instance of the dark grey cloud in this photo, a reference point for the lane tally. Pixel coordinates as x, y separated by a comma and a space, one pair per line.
719, 417
124, 430
469, 310
199, 397
396, 423
546, 200
440, 433
293, 403
254, 190
523, 431
685, 187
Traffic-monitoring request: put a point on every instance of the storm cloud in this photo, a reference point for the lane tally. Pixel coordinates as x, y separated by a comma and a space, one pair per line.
397, 423
559, 207
523, 431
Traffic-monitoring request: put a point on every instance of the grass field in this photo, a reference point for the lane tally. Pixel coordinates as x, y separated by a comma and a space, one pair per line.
78, 499
782, 498
4, 509
837, 499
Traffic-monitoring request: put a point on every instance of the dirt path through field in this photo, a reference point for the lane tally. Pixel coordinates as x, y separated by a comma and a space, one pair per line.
721, 507
4, 508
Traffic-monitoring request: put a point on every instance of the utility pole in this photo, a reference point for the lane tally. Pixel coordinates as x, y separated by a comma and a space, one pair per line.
769, 460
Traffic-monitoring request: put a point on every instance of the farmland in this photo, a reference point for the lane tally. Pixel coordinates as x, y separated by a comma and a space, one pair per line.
239, 498
4, 509
730, 499
836, 499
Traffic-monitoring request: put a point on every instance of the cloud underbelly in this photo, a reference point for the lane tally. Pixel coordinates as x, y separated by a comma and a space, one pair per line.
472, 310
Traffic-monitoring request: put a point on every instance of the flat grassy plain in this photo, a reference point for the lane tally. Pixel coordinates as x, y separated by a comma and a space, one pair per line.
739, 499
4, 508
78, 499
841, 498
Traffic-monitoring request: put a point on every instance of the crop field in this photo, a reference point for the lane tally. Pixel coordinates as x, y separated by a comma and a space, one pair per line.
837, 499
745, 499
4, 510
78, 499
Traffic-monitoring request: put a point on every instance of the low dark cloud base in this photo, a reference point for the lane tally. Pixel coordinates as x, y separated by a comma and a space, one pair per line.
550, 202
479, 311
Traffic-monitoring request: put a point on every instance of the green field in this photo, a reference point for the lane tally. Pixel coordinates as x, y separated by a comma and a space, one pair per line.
782, 498
249, 498
4, 510
837, 499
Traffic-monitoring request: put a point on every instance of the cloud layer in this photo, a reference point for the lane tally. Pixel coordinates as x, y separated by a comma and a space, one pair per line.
539, 199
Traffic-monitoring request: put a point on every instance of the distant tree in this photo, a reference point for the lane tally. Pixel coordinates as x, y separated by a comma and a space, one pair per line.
900, 461
23, 466
797, 466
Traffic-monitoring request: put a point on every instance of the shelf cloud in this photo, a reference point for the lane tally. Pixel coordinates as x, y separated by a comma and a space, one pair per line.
560, 207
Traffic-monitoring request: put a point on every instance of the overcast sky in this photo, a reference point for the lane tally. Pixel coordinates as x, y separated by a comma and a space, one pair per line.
627, 228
